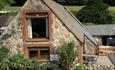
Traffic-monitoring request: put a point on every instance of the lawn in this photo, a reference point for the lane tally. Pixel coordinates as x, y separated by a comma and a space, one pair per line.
74, 8
11, 8
77, 8
112, 8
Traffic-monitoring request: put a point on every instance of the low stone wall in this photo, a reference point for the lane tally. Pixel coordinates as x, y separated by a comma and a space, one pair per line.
99, 67
106, 50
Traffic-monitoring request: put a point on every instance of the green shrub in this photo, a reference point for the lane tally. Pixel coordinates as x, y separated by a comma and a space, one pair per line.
16, 62
80, 67
19, 62
35, 65
68, 54
113, 16
4, 59
50, 66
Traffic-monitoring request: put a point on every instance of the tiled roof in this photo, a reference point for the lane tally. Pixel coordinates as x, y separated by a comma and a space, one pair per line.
5, 20
101, 29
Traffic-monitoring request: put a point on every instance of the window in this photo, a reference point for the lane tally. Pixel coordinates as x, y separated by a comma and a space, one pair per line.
38, 51
44, 53
38, 28
41, 53
108, 40
33, 53
37, 25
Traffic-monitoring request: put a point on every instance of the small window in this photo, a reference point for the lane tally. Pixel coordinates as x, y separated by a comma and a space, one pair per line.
44, 53
33, 53
39, 53
108, 40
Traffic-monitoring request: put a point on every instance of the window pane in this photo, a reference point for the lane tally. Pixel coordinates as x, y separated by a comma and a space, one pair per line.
44, 53
108, 41
38, 28
33, 52
104, 40
111, 41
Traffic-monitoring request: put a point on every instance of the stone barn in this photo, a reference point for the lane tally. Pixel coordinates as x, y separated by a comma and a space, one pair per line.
105, 36
41, 26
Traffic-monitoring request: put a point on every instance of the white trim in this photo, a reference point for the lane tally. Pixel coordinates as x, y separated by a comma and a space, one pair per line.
30, 28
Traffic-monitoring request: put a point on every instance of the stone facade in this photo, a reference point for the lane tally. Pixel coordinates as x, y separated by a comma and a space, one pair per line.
60, 33
99, 67
89, 47
12, 38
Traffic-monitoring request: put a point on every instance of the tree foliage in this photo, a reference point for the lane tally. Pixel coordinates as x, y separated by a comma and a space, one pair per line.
95, 12
4, 3
83, 2
19, 2
110, 2
68, 54
72, 2
113, 16
4, 59
80, 67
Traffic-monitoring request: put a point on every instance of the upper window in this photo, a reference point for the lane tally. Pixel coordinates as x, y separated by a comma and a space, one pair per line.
37, 25
38, 28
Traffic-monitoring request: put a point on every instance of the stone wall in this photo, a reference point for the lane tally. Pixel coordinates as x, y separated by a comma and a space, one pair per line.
100, 67
99, 39
12, 36
90, 48
60, 33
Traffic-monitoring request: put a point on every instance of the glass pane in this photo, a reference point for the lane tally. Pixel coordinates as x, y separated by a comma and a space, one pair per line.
44, 53
33, 52
39, 27
111, 41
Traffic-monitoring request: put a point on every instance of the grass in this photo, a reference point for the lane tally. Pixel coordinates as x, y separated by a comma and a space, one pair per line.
112, 8
77, 8
11, 8
74, 8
